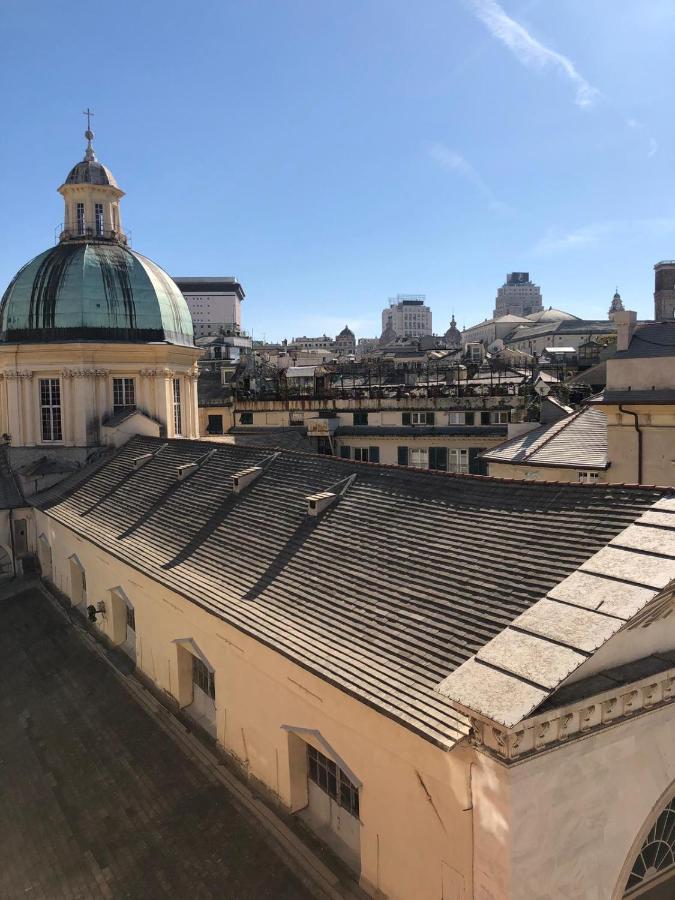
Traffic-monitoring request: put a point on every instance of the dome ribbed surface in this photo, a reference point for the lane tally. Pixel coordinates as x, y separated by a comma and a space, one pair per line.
89, 291
91, 171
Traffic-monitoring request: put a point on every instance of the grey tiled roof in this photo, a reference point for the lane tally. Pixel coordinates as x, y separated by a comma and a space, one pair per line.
403, 579
292, 438
10, 493
655, 339
524, 666
579, 441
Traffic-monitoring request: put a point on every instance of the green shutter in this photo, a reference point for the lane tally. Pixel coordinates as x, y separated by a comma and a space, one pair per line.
469, 418
373, 454
485, 418
403, 456
438, 458
344, 452
477, 466
430, 418
406, 418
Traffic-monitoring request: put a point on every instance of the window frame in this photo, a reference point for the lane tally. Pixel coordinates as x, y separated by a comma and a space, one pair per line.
98, 219
459, 460
122, 383
422, 453
203, 677
332, 780
360, 417
587, 476
51, 413
177, 408
249, 417
361, 454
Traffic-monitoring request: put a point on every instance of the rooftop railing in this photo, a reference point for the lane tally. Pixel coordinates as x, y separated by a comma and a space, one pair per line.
83, 230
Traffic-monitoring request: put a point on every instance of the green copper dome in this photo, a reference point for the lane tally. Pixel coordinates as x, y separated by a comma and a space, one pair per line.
93, 291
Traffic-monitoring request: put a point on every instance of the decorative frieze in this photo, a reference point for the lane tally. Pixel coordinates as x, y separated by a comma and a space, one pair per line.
13, 374
158, 373
85, 373
545, 732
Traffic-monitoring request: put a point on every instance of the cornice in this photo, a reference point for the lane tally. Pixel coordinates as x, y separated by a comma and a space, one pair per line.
549, 731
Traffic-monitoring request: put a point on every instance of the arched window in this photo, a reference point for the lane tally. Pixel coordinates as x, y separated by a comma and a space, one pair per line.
655, 863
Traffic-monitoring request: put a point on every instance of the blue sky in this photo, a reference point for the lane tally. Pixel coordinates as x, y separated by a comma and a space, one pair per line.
332, 155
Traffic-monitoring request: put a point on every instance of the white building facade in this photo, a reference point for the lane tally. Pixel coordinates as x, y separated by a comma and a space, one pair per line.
408, 315
214, 304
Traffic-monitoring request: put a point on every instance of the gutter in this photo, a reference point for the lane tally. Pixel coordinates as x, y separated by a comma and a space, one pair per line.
636, 425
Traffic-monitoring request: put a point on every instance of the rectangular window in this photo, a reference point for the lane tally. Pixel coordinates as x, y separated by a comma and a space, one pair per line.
131, 619
203, 677
403, 456
332, 781
421, 418
588, 477
80, 217
458, 461
501, 417
177, 411
438, 458
419, 459
124, 394
360, 417
296, 417
361, 454
345, 452
98, 217
50, 409
246, 418
456, 418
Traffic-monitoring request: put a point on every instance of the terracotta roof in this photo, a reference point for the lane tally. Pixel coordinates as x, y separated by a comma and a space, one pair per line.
404, 578
578, 441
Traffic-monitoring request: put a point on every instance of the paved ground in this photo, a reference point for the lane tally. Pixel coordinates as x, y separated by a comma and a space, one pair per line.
95, 799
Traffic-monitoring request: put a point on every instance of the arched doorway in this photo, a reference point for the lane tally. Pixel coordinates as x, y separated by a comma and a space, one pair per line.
652, 875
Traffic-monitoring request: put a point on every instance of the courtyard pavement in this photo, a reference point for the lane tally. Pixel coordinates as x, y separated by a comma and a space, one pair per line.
95, 799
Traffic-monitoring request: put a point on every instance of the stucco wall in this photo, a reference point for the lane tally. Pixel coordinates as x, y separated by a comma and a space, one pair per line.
414, 794
658, 448
545, 473
579, 810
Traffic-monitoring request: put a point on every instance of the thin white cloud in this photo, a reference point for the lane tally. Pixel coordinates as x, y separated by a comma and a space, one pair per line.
529, 51
653, 147
557, 241
452, 161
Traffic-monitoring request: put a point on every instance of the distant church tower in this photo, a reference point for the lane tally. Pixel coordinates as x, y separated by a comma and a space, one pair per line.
616, 305
664, 290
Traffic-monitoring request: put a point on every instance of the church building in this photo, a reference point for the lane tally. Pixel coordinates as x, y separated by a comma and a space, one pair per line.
96, 340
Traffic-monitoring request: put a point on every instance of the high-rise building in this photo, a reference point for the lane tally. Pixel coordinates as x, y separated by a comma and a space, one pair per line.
214, 303
664, 290
518, 296
407, 315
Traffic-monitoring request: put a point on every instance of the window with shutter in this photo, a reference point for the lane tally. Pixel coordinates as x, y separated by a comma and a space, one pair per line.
405, 418
373, 454
470, 418
431, 418
360, 417
485, 418
403, 456
344, 452
438, 458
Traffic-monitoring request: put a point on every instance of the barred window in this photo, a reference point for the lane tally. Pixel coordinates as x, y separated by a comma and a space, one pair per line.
177, 412
131, 618
50, 409
332, 780
124, 394
203, 677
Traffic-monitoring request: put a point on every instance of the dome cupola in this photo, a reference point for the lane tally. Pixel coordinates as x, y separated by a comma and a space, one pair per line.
92, 199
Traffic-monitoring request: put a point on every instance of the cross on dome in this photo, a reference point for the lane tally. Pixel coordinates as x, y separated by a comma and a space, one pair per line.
89, 134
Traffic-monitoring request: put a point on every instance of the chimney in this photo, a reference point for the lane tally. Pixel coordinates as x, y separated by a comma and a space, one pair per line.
625, 328
241, 480
316, 503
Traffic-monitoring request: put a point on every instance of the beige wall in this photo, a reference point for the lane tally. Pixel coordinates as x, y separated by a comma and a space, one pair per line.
657, 424
545, 473
388, 446
570, 819
414, 794
86, 373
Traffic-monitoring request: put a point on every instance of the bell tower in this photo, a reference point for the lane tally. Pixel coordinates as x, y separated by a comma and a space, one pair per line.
92, 199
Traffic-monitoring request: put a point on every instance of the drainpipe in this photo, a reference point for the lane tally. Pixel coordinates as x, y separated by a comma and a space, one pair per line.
636, 425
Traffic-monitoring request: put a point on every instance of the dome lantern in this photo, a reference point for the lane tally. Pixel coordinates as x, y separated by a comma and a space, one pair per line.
91, 198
